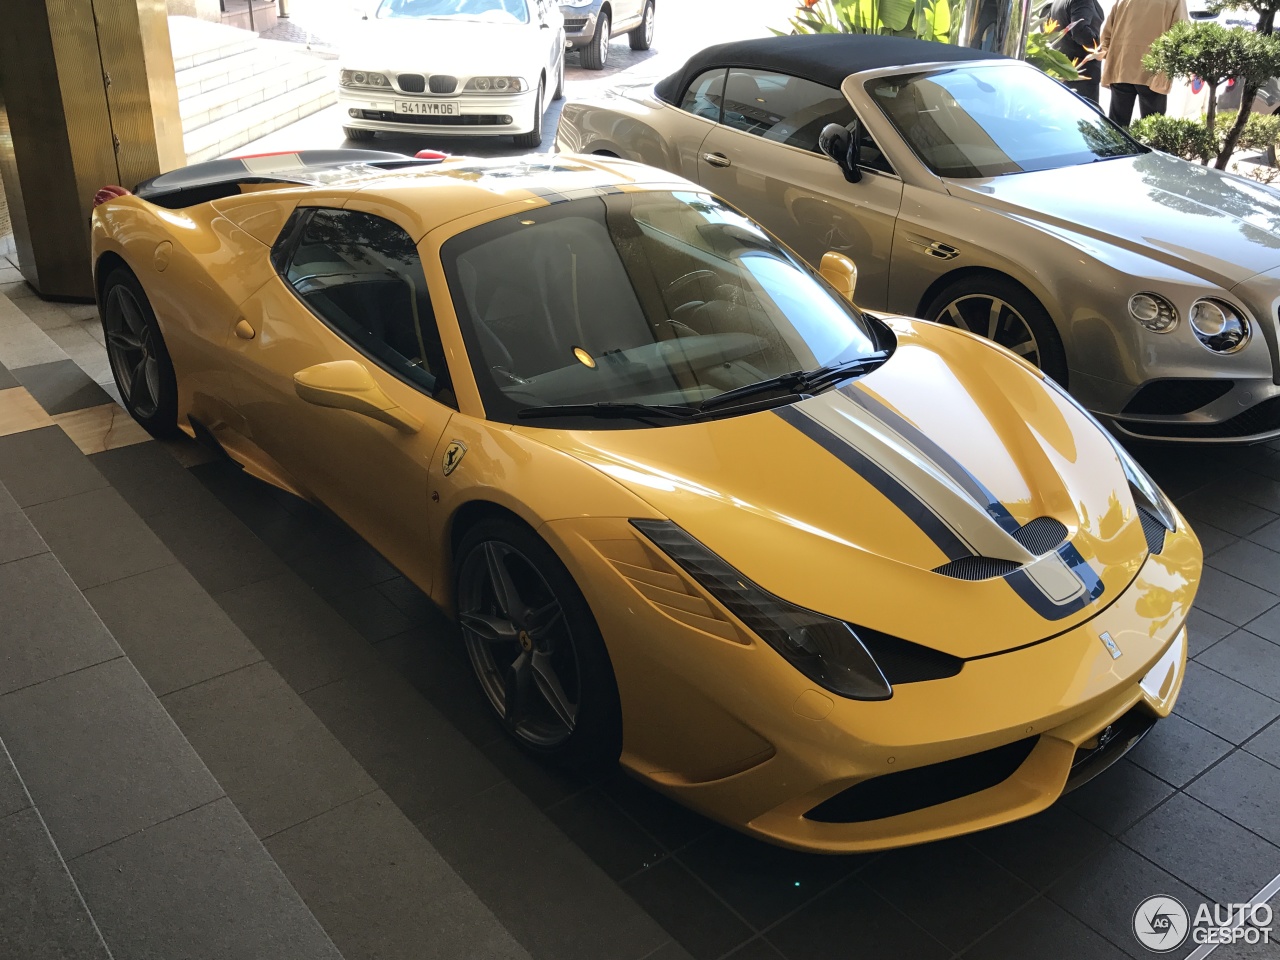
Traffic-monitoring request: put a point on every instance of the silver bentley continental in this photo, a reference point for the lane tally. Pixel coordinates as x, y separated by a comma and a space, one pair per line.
976, 191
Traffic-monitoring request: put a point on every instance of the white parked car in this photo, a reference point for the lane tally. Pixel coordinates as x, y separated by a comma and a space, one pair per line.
453, 68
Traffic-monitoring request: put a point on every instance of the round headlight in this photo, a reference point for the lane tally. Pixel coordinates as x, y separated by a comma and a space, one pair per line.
1153, 311
358, 78
377, 79
1218, 325
482, 83
500, 83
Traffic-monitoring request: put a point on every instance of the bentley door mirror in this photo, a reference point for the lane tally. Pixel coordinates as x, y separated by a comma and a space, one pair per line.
841, 145
347, 385
839, 271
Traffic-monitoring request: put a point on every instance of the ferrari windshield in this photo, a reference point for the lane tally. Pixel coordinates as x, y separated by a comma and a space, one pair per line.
499, 11
987, 121
659, 299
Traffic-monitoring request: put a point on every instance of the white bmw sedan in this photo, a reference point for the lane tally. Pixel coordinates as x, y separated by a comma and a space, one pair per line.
453, 68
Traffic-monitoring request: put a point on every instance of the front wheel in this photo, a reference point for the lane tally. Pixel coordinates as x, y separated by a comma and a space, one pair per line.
136, 351
533, 139
997, 308
596, 53
534, 645
559, 93
642, 36
357, 133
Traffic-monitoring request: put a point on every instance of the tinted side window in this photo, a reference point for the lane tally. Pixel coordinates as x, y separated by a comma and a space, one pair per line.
791, 110
705, 94
362, 275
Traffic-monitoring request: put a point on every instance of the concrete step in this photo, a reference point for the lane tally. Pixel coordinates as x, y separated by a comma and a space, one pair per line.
222, 136
226, 99
216, 73
195, 42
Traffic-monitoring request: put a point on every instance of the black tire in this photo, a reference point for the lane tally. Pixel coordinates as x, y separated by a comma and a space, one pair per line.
968, 304
559, 92
136, 350
642, 36
356, 133
567, 646
596, 53
533, 139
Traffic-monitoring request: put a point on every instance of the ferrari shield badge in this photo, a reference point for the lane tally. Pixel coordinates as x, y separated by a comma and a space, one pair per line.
1113, 648
453, 455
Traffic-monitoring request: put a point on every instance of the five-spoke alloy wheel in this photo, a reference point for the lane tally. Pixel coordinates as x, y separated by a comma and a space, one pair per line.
534, 645
136, 350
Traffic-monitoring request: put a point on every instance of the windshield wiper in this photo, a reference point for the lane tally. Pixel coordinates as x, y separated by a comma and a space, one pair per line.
608, 408
797, 382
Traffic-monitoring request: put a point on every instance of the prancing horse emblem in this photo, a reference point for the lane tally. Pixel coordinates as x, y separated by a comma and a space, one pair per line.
1113, 648
453, 455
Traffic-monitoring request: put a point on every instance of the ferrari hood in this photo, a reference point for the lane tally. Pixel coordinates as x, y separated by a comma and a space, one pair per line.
949, 487
1205, 222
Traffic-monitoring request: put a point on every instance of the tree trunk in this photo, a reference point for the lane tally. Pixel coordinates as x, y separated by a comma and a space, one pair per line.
1242, 117
1211, 111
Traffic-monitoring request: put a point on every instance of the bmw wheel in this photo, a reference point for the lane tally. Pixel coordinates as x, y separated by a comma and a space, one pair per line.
559, 93
642, 36
596, 53
1001, 310
533, 139
534, 645
139, 360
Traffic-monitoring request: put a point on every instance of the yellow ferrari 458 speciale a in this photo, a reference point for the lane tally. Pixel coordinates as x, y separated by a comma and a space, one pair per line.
840, 581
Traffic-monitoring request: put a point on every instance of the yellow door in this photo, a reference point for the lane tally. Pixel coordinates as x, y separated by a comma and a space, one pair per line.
349, 326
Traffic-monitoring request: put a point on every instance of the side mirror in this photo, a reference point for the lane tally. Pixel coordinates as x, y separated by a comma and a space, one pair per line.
347, 385
841, 145
841, 272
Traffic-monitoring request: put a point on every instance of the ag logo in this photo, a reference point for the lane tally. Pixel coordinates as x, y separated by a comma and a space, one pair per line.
453, 455
1161, 923
1113, 648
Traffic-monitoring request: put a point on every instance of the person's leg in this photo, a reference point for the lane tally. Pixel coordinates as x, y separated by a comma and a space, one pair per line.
1150, 102
1122, 97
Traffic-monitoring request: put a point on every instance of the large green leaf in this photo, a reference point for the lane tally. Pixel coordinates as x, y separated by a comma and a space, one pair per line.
896, 14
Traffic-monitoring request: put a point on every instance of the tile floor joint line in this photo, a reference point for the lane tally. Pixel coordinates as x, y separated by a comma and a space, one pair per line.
70, 673
1262, 896
150, 826
337, 806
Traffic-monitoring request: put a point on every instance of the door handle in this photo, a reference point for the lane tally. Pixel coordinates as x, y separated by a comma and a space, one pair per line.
717, 159
244, 331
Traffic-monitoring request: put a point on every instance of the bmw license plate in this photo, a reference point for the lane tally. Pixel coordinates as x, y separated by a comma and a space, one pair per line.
431, 108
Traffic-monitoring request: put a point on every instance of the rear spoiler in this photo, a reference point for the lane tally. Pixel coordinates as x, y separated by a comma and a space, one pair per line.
215, 179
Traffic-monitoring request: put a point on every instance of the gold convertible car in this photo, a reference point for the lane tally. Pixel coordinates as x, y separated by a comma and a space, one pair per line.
841, 581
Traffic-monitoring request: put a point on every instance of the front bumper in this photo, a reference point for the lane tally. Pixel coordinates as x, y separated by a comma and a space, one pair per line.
720, 722
1243, 410
479, 115
579, 30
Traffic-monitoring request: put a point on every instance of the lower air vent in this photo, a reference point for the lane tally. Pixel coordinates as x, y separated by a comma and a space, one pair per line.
898, 793
1258, 419
1153, 529
902, 661
976, 568
443, 83
412, 82
1172, 397
1041, 534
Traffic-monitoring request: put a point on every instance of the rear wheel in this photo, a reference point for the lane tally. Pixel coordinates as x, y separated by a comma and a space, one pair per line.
139, 360
356, 133
596, 53
533, 139
534, 645
642, 36
1001, 310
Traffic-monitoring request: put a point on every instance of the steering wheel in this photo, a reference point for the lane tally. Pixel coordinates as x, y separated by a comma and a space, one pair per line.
688, 278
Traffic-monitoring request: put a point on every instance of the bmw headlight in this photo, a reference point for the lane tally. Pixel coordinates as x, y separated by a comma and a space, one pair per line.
1218, 325
496, 85
824, 649
358, 78
1153, 311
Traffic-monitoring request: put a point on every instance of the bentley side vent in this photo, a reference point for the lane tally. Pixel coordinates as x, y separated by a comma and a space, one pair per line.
1153, 529
976, 568
1041, 534
941, 251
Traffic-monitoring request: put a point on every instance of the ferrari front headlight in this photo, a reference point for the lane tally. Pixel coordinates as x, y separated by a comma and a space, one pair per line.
496, 85
824, 649
1146, 493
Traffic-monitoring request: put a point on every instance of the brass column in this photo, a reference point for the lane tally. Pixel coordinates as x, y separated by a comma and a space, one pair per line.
87, 98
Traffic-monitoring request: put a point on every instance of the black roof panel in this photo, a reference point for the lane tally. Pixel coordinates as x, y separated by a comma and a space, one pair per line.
825, 58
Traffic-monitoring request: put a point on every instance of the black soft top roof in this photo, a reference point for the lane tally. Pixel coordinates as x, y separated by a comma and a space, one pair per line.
825, 58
